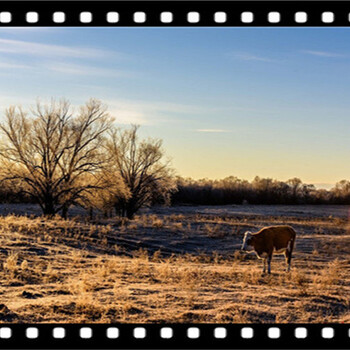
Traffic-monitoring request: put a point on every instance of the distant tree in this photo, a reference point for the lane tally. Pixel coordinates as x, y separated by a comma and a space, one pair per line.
141, 165
341, 192
50, 151
342, 188
296, 187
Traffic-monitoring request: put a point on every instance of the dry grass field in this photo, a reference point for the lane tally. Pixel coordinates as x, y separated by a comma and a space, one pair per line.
173, 265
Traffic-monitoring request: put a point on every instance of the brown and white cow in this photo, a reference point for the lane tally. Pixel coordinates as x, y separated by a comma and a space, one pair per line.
268, 241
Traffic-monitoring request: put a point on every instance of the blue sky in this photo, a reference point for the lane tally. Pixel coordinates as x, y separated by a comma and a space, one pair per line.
226, 101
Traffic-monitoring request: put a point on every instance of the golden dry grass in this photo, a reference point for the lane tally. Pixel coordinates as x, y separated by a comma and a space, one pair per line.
73, 271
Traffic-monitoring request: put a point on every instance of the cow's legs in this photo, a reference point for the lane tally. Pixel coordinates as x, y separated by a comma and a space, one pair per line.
264, 266
269, 258
288, 256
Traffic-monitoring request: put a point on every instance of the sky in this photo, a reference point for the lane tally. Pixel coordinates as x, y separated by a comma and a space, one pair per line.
272, 102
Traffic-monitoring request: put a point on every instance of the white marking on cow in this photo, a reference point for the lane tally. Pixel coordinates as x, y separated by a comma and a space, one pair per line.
245, 246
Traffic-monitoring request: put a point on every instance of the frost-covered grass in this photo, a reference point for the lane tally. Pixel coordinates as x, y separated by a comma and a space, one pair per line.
180, 266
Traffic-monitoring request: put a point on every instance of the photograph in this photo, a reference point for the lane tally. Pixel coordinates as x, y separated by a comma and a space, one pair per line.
174, 175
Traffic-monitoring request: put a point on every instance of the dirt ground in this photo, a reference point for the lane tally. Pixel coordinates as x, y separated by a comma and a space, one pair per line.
177, 264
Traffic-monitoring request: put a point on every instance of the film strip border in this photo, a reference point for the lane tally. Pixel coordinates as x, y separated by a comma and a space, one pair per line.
174, 13
175, 336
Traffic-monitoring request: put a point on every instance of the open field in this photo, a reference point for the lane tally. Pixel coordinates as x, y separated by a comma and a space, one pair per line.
177, 264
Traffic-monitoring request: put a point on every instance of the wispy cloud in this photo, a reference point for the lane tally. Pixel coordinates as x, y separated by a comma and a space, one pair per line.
149, 112
48, 50
126, 116
212, 130
75, 69
322, 53
251, 57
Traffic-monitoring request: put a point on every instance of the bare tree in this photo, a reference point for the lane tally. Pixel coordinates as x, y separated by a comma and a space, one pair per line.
109, 189
141, 165
51, 150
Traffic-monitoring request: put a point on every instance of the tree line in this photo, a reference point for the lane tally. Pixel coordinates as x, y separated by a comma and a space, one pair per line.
233, 190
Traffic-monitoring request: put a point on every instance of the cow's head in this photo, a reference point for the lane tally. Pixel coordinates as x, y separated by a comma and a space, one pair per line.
247, 245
